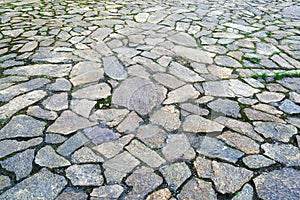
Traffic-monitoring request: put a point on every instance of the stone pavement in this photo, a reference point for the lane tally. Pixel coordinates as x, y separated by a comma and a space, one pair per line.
173, 99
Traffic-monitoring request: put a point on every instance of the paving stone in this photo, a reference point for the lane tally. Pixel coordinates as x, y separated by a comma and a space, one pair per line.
184, 73
228, 178
221, 72
68, 194
100, 135
109, 192
30, 46
182, 94
167, 117
178, 148
4, 182
145, 154
151, 135
283, 153
117, 167
22, 126
85, 175
197, 189
47, 157
56, 102
71, 144
68, 122
42, 185
38, 112
257, 161
168, 80
8, 147
130, 123
194, 54
82, 107
291, 83
60, 85
93, 92
195, 124
184, 39
270, 97
143, 180
139, 95
110, 117
86, 72
175, 174
101, 33
246, 193
20, 164
268, 109
113, 68
265, 49
276, 131
203, 167
294, 121
225, 106
256, 115
162, 194
54, 138
194, 109
240, 142
141, 17
267, 183
227, 61
86, 155
289, 107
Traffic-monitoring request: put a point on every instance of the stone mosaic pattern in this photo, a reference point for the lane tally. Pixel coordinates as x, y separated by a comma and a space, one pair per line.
149, 99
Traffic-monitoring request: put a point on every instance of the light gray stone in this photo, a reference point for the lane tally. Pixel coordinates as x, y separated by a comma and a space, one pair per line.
71, 144
47, 157
195, 124
113, 68
257, 161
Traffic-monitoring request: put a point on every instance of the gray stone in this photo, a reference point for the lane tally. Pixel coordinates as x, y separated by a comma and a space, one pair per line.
245, 194
54, 138
151, 135
228, 178
184, 39
145, 154
265, 49
100, 135
108, 191
292, 83
20, 164
194, 109
289, 107
256, 115
168, 80
291, 11
131, 122
8, 147
203, 167
257, 161
182, 94
4, 182
225, 106
167, 117
214, 148
101, 33
43, 185
22, 126
282, 181
276, 131
47, 157
197, 189
227, 61
270, 97
195, 124
110, 117
139, 95
175, 174
194, 54
38, 112
68, 194
184, 73
69, 122
162, 194
113, 68
56, 102
82, 107
73, 143
283, 153
30, 46
93, 92
85, 175
60, 85
86, 155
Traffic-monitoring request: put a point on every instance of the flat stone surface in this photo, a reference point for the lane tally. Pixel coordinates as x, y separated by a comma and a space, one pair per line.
194, 54
246, 193
36, 111
109, 191
195, 123
182, 94
203, 167
269, 97
113, 68
4, 182
56, 102
151, 135
225, 106
184, 73
167, 117
47, 157
100, 135
73, 143
257, 161
289, 107
266, 183
86, 155
69, 194
93, 92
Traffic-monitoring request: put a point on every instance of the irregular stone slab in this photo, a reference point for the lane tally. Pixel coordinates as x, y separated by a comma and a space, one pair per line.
257, 161
85, 175
12, 33
130, 123
52, 70
227, 61
214, 148
225, 106
197, 189
82, 107
183, 39
38, 112
4, 182
54, 138
11, 146
149, 64
194, 54
141, 17
292, 83
60, 85
151, 135
291, 11
113, 68
240, 142
69, 194
246, 193
282, 181
221, 72
294, 120
108, 191
142, 152
198, 124
20, 102
175, 174
73, 143
110, 117
162, 194
100, 135
101, 33
203, 167
69, 122
228, 178
93, 92
30, 46
184, 73
47, 157
283, 153
267, 108
20, 164
56, 102
268, 97
276, 131
43, 185
168, 80
86, 155
138, 94
112, 148
256, 115
289, 107
194, 109
88, 55
182, 94
167, 117
22, 126
143, 181
178, 148
265, 49
13, 91
240, 27
117, 167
